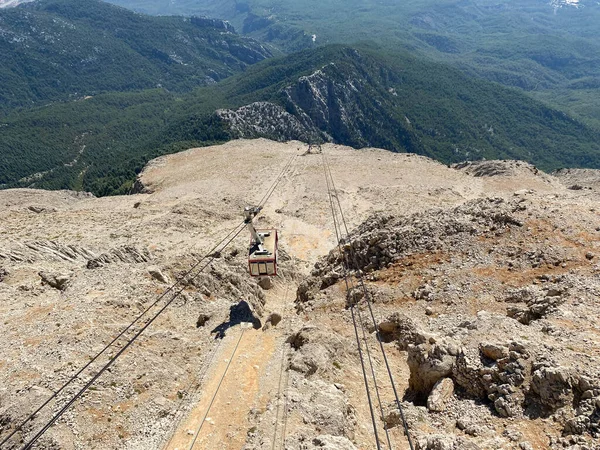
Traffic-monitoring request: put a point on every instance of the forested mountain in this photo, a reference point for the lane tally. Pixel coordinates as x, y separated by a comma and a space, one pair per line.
357, 96
549, 48
64, 49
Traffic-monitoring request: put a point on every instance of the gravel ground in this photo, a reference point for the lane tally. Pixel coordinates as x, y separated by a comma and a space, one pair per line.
75, 270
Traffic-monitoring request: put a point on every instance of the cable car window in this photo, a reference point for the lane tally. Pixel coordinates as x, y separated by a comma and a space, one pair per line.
262, 268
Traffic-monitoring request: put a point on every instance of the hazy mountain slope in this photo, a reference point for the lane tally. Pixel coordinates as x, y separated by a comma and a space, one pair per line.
537, 45
367, 98
355, 97
58, 49
212, 8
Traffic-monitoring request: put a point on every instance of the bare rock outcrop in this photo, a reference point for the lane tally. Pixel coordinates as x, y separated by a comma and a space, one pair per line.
497, 168
383, 240
401, 329
553, 384
125, 254
533, 303
265, 119
31, 251
156, 273
315, 351
55, 280
429, 363
440, 395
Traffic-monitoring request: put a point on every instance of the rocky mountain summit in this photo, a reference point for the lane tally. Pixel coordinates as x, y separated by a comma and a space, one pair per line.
483, 279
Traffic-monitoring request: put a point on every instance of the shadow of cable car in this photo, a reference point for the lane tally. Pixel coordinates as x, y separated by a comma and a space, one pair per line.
238, 313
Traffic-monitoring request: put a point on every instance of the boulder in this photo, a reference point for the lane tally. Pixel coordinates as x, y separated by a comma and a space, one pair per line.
554, 386
493, 351
158, 275
440, 395
428, 364
57, 281
401, 328
266, 283
272, 320
202, 319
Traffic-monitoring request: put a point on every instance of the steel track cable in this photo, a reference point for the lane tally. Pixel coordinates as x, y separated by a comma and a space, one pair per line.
275, 183
378, 335
364, 336
200, 380
285, 411
281, 370
216, 391
116, 356
362, 363
110, 344
210, 254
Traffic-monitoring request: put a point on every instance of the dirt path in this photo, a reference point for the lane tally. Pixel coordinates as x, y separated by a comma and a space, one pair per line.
244, 376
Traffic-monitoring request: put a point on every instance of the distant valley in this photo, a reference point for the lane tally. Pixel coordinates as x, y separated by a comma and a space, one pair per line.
64, 50
549, 48
91, 92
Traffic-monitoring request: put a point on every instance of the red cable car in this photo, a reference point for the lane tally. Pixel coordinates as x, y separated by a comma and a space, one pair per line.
262, 253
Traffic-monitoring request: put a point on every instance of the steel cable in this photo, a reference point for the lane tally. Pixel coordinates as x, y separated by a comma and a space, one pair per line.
216, 392
116, 356
120, 335
362, 362
369, 304
237, 230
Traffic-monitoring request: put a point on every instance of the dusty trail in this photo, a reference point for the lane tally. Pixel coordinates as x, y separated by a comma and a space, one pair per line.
245, 376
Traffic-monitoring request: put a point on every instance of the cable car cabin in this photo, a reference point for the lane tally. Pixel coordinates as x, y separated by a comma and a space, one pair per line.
262, 259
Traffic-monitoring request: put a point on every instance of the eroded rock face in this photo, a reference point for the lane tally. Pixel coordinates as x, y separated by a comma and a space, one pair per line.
429, 363
57, 281
440, 395
268, 120
533, 303
495, 168
314, 351
493, 296
402, 329
383, 240
554, 385
125, 254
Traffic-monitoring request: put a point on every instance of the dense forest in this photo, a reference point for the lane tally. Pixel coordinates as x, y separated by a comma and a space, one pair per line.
64, 49
548, 48
99, 144
90, 92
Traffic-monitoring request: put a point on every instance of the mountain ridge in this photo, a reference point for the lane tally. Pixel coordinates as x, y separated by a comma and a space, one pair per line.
57, 50
355, 96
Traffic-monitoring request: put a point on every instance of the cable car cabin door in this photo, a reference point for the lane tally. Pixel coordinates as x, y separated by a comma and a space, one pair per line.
264, 264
